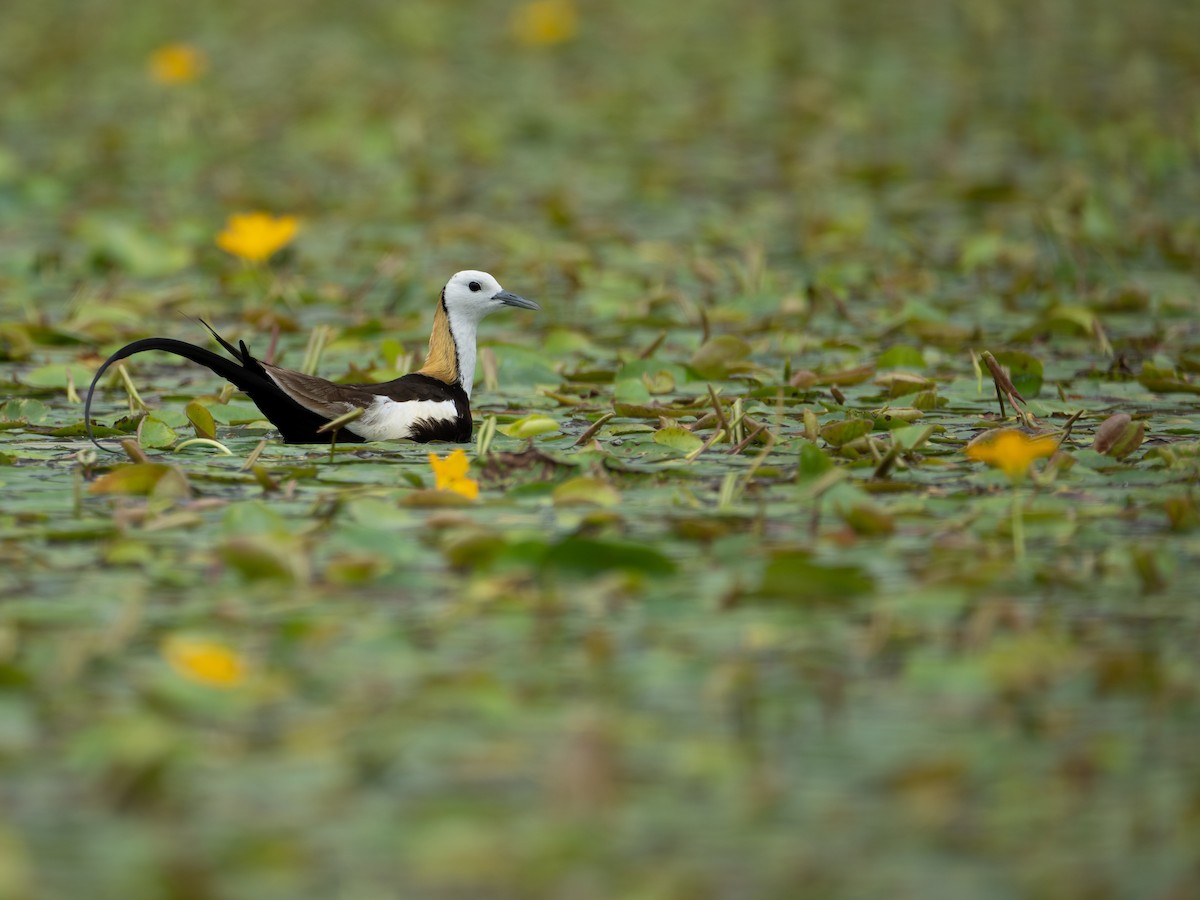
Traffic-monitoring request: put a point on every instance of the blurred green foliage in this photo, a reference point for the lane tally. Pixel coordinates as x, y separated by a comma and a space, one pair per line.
800, 658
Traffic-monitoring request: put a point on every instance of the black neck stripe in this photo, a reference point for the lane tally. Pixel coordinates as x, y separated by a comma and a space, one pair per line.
453, 339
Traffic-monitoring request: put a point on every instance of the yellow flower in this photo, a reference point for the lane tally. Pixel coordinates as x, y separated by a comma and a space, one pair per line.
177, 64
540, 23
451, 474
255, 236
1011, 451
204, 662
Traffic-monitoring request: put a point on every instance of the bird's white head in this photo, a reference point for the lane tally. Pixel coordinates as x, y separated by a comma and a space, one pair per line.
470, 295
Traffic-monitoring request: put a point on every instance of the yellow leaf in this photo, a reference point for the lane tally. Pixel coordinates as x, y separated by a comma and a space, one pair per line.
450, 474
1011, 451
453, 467
177, 64
255, 236
540, 23
204, 662
465, 487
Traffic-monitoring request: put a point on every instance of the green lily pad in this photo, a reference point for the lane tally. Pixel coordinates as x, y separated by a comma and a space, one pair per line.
530, 426
202, 420
720, 357
1024, 369
678, 439
837, 434
143, 479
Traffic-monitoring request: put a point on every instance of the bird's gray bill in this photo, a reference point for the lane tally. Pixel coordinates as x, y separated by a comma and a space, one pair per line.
511, 299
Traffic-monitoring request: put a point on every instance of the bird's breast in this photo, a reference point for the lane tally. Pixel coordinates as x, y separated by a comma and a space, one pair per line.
392, 420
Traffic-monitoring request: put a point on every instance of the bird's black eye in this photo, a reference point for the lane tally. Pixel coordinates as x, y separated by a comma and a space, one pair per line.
474, 286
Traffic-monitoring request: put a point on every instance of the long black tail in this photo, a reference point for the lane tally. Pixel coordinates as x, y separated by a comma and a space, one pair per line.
296, 423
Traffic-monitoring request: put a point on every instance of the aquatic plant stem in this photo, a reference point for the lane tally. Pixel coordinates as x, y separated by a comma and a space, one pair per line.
1018, 528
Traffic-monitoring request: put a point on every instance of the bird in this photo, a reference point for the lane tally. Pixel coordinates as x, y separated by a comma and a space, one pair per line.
431, 404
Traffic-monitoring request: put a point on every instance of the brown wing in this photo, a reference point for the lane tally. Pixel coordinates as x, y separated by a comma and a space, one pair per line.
319, 395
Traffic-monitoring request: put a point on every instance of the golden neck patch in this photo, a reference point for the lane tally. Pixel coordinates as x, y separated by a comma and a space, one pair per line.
442, 361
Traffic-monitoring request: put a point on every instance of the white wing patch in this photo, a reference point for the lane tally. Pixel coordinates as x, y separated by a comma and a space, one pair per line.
389, 420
